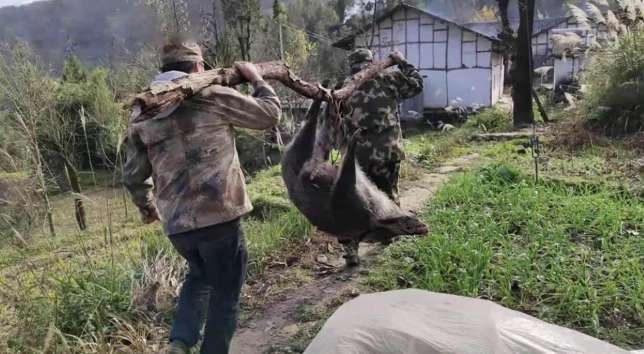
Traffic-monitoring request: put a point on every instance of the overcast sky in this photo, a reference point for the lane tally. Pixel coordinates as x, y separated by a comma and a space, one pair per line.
4, 3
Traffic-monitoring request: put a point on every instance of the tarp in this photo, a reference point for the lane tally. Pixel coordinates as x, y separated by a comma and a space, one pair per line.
421, 322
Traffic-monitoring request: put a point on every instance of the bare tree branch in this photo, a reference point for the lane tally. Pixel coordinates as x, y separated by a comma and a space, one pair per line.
159, 98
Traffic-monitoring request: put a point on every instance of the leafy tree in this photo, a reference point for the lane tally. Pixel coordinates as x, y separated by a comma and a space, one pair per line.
173, 15
26, 97
295, 43
73, 70
279, 10
68, 124
242, 19
318, 20
340, 7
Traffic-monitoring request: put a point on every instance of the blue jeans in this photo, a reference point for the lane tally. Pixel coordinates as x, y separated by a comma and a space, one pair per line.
217, 259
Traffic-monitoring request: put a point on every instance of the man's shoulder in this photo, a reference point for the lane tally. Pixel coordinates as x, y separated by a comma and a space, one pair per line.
213, 90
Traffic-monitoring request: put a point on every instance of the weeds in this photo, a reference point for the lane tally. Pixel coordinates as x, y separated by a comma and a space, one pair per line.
111, 294
491, 120
615, 84
429, 150
615, 164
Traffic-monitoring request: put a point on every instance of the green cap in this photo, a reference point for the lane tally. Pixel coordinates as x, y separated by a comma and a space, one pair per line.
360, 56
180, 48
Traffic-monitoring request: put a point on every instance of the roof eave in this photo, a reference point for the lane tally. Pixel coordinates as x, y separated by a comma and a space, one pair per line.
347, 42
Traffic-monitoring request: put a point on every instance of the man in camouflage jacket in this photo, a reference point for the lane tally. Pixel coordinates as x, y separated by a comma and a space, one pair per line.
373, 108
198, 191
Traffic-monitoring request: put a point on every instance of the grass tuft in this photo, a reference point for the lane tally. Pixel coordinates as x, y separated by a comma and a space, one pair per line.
491, 120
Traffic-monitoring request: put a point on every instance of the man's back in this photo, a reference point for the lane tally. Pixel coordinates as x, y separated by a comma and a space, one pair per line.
374, 109
193, 158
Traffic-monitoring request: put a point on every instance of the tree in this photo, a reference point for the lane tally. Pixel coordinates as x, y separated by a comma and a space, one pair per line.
69, 124
519, 49
279, 17
219, 42
294, 46
279, 10
242, 18
173, 15
27, 97
316, 21
340, 7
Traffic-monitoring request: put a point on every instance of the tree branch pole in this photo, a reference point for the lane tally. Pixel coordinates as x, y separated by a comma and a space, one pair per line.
542, 110
158, 98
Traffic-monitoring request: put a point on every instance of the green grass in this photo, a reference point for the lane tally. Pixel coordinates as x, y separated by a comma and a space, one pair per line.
599, 164
491, 120
566, 255
429, 149
86, 284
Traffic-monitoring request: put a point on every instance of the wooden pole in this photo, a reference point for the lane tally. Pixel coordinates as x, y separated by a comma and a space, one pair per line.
542, 110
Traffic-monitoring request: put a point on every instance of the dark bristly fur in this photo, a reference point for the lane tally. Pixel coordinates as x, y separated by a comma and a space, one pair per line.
342, 202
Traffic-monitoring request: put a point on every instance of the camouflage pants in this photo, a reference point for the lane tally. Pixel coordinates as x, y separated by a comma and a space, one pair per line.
385, 176
350, 248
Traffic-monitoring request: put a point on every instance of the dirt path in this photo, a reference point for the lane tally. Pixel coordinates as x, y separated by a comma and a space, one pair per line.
274, 325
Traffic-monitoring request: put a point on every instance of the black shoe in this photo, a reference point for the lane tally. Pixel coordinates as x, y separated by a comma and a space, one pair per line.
352, 260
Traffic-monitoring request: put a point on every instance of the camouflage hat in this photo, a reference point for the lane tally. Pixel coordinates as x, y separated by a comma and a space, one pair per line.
360, 56
180, 49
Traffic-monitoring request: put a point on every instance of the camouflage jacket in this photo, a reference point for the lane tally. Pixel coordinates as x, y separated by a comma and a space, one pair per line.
374, 109
191, 157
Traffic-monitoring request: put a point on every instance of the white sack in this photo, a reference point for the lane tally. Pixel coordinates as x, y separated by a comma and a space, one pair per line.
421, 322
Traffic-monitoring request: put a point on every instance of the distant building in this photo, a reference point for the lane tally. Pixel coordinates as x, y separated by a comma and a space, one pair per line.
541, 35
461, 66
564, 67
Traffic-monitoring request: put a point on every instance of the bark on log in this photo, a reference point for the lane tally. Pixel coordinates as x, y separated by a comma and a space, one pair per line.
156, 99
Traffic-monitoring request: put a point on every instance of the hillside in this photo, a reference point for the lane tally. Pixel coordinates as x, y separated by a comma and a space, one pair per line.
98, 31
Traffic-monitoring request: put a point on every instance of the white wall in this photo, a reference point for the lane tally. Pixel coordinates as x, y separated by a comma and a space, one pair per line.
470, 87
498, 77
566, 68
435, 90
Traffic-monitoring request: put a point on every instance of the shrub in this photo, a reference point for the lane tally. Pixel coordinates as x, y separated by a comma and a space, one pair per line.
251, 146
86, 300
19, 207
491, 120
615, 86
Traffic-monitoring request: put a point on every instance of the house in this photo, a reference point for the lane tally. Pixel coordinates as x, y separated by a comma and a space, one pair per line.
461, 66
575, 43
563, 66
541, 35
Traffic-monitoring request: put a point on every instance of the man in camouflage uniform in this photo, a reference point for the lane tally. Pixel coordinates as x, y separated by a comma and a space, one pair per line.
373, 109
198, 192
